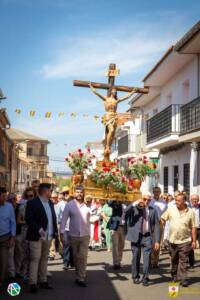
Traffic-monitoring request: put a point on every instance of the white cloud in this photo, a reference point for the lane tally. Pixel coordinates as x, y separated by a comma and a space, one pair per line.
131, 46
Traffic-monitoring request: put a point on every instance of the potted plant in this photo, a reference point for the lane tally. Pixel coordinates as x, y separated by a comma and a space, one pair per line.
80, 162
110, 177
138, 169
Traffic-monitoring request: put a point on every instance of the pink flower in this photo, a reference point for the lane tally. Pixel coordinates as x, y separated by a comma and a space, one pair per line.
79, 150
66, 159
123, 179
88, 149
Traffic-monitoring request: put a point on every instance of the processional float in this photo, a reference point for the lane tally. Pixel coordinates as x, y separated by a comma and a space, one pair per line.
107, 181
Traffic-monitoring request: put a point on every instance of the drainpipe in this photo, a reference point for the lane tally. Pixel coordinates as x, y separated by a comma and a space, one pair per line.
198, 74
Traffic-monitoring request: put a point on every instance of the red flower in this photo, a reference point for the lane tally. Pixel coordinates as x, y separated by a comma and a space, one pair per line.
145, 161
88, 149
106, 169
129, 159
89, 160
81, 154
79, 150
66, 159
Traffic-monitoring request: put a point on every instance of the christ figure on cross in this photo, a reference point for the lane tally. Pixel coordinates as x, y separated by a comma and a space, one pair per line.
110, 102
110, 118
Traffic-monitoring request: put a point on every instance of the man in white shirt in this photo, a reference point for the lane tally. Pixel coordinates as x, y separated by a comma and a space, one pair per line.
160, 205
79, 232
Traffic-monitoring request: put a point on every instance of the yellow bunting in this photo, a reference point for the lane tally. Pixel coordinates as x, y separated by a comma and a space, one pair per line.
96, 118
48, 115
61, 114
32, 113
18, 111
73, 115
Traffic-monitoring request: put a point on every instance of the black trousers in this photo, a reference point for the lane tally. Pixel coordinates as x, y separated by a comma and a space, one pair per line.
145, 243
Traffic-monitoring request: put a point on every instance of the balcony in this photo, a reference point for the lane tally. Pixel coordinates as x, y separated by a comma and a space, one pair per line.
41, 159
163, 129
123, 145
128, 144
190, 121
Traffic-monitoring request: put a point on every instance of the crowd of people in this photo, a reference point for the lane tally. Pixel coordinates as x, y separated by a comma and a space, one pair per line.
41, 222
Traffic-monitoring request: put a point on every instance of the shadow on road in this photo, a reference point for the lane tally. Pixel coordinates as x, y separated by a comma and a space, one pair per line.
99, 287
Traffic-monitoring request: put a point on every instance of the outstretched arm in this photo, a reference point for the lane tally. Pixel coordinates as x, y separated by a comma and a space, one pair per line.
96, 93
126, 97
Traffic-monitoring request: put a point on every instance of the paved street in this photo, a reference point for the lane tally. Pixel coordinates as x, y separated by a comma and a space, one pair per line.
104, 283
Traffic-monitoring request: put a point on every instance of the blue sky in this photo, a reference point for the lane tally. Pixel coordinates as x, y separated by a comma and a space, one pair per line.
45, 44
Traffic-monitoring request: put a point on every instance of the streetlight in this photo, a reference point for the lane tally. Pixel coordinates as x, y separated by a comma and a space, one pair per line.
2, 97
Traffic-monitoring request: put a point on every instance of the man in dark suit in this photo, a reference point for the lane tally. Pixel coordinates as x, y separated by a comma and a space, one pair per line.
42, 228
142, 222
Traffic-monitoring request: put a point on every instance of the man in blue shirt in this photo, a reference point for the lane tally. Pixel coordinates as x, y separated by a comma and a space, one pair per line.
7, 232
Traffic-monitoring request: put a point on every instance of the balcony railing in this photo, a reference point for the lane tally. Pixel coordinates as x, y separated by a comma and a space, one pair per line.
39, 158
164, 123
190, 116
123, 145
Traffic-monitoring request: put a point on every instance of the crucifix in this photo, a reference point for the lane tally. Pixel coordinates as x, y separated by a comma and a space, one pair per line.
110, 102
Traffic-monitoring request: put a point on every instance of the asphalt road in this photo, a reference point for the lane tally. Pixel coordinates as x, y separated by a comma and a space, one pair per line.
106, 284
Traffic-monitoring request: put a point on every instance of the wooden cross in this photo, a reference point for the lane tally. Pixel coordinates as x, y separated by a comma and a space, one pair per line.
112, 72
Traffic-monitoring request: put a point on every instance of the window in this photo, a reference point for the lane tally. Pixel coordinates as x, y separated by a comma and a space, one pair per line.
42, 150
166, 179
29, 151
175, 178
186, 178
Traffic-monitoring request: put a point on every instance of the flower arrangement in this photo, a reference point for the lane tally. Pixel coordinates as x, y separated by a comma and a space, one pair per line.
139, 167
80, 161
110, 176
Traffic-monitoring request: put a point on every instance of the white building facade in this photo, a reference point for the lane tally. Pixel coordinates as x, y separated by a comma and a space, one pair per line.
170, 114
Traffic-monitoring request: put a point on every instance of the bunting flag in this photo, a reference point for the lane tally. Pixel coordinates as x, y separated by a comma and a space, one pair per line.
96, 118
121, 117
32, 113
48, 115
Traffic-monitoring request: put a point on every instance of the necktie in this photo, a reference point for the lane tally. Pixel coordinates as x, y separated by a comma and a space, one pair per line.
144, 215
